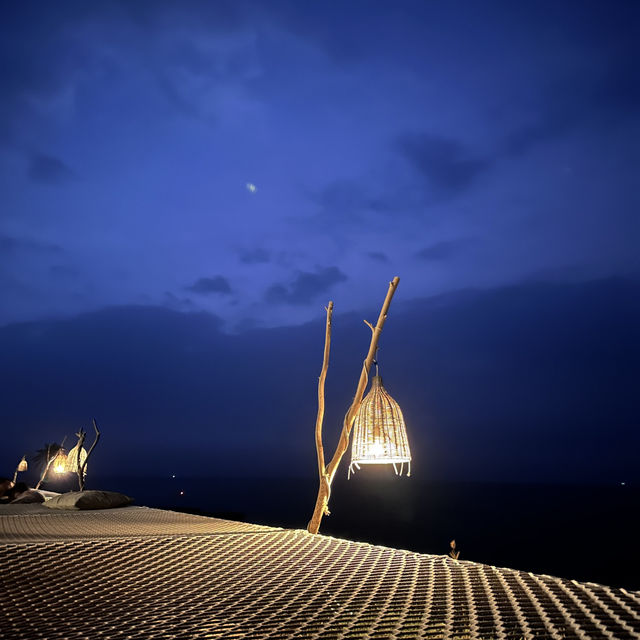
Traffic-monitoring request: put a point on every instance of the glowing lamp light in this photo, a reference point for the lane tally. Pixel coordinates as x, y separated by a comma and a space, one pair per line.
75, 461
22, 466
59, 463
379, 432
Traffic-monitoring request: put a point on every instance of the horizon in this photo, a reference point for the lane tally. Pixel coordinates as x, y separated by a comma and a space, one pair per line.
175, 378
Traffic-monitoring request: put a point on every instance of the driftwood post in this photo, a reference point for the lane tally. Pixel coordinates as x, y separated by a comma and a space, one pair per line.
78, 466
46, 467
327, 473
81, 468
50, 458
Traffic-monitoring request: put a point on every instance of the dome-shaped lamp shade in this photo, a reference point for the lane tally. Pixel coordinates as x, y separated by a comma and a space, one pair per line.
22, 465
74, 462
59, 464
379, 432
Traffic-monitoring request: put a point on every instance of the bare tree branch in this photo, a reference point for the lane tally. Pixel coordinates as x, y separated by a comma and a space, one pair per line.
321, 507
50, 458
321, 381
82, 469
324, 488
46, 468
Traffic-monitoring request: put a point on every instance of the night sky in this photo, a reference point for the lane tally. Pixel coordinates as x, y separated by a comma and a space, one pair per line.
185, 185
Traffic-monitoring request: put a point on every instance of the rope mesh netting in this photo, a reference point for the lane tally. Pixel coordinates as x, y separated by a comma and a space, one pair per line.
155, 574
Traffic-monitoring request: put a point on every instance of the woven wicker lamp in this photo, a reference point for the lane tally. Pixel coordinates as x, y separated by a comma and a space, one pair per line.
75, 461
59, 464
379, 432
22, 466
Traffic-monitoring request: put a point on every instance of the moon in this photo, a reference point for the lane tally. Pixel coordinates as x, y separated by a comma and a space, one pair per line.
251, 187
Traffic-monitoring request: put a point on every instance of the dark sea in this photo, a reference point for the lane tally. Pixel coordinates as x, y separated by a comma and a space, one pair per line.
586, 533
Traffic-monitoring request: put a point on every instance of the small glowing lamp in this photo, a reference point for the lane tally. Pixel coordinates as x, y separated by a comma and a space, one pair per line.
59, 463
22, 466
75, 459
379, 432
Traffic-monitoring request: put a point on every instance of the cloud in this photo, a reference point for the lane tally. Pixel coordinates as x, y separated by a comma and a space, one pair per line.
378, 256
207, 76
48, 169
64, 271
561, 106
607, 96
42, 60
617, 90
550, 126
446, 164
185, 52
440, 250
179, 304
349, 202
342, 196
205, 286
10, 244
341, 201
557, 360
255, 256
305, 287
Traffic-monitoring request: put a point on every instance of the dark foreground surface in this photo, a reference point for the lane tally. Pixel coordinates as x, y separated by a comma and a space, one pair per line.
152, 574
582, 533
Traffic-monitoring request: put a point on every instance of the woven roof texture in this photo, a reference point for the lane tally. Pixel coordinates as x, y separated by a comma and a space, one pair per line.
46, 524
219, 581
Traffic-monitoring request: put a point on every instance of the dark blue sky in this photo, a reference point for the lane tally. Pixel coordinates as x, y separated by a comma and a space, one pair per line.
251, 160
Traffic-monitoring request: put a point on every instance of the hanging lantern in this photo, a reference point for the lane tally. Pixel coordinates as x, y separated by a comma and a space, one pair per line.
75, 461
379, 432
22, 466
59, 464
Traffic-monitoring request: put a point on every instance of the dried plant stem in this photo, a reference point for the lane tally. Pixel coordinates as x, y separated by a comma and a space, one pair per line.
328, 473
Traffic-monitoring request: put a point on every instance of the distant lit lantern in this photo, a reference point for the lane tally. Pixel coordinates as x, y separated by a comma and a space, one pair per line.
59, 464
22, 466
74, 462
379, 432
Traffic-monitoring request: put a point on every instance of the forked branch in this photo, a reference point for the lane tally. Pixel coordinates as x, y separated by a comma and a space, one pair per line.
82, 468
327, 474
